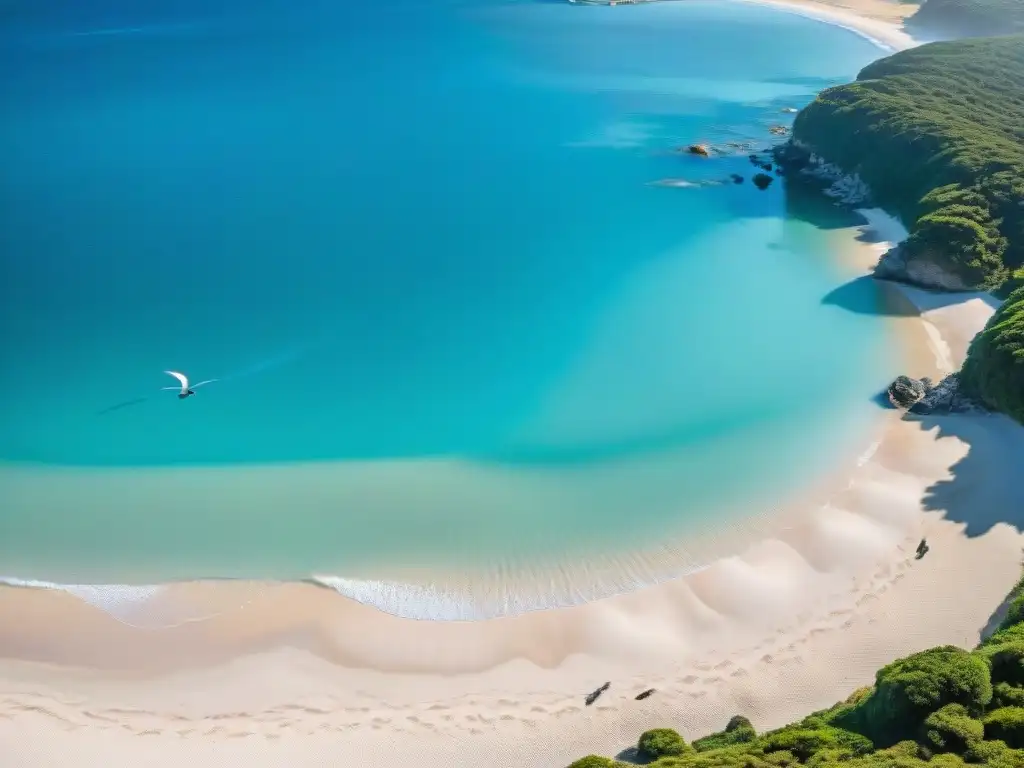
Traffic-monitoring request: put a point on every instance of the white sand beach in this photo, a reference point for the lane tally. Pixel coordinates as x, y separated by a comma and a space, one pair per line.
295, 675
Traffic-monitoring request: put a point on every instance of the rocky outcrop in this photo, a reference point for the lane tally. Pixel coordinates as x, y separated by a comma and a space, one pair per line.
905, 391
946, 397
899, 266
921, 397
845, 188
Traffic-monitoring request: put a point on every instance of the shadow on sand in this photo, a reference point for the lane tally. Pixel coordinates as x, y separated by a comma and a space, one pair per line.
865, 295
983, 489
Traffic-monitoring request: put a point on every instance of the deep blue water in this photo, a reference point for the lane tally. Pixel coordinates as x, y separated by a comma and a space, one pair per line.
405, 231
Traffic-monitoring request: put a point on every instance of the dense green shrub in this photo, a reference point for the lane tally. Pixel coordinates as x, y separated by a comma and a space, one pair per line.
738, 731
1006, 724
1006, 661
804, 742
1006, 695
995, 754
595, 761
729, 757
661, 742
909, 690
994, 369
952, 729
1015, 609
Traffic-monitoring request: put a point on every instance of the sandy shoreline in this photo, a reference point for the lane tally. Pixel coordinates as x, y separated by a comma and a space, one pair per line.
293, 675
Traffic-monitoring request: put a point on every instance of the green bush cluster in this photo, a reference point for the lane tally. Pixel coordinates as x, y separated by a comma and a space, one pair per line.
969, 17
941, 708
994, 369
937, 132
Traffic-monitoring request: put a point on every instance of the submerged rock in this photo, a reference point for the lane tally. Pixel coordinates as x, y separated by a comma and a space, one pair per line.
778, 130
702, 150
763, 180
905, 391
736, 178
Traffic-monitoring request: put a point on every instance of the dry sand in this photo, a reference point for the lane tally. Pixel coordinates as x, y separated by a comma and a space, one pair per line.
297, 676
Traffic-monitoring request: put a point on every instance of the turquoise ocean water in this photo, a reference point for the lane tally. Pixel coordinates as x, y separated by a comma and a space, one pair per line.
452, 321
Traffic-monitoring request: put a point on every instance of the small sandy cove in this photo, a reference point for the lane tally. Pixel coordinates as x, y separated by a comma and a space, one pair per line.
293, 676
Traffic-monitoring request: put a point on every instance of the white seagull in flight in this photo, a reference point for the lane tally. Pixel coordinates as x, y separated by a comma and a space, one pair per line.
184, 390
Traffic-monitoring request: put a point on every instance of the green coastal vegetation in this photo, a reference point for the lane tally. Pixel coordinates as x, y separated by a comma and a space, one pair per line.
937, 133
941, 708
969, 18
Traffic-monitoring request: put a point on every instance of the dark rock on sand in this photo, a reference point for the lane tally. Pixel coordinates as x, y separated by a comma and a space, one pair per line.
945, 397
592, 696
762, 181
920, 269
905, 391
922, 549
644, 695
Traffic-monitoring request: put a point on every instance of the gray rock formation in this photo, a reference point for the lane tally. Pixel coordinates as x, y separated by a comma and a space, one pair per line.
945, 397
896, 265
905, 391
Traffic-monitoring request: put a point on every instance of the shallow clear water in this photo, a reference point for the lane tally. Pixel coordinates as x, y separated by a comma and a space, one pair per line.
416, 242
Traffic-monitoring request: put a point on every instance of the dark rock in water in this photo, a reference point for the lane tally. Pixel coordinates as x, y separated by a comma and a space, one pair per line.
791, 157
644, 695
905, 391
759, 162
702, 150
789, 110
592, 697
762, 180
736, 178
778, 130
